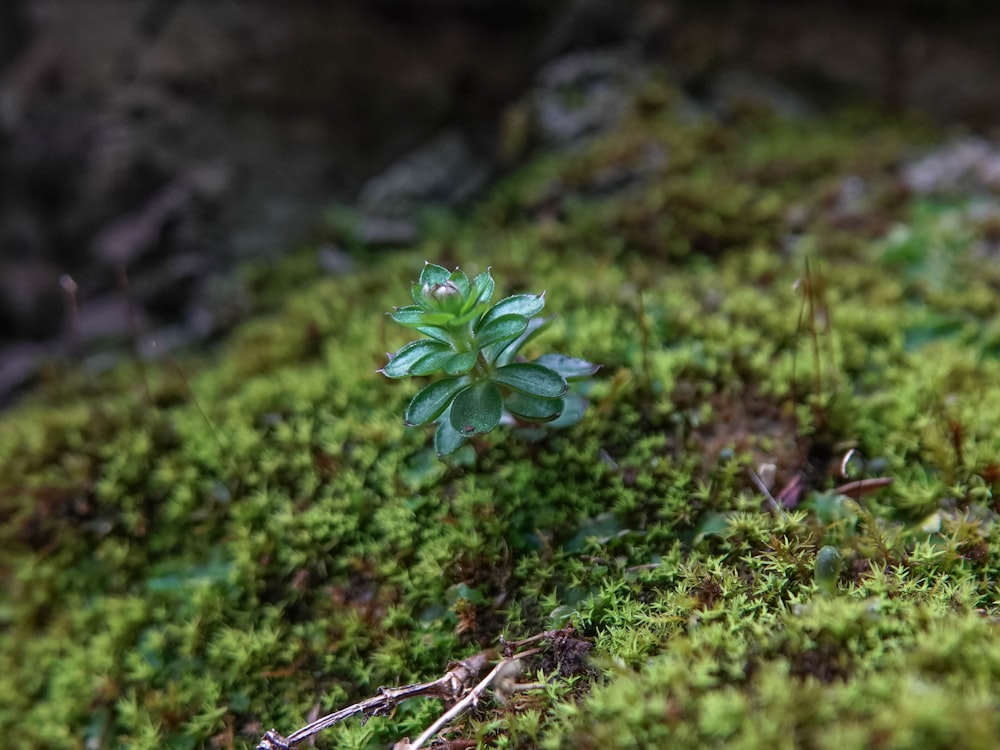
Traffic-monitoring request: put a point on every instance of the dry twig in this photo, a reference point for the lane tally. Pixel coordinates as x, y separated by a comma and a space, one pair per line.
470, 700
454, 683
461, 685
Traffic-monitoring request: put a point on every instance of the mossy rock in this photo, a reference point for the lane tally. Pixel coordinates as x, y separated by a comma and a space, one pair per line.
263, 541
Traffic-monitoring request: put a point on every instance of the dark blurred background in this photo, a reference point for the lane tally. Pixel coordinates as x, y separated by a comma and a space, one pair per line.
171, 139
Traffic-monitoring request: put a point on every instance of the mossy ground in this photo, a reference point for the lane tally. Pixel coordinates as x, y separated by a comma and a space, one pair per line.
265, 541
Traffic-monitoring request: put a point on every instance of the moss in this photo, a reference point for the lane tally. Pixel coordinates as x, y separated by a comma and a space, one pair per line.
264, 541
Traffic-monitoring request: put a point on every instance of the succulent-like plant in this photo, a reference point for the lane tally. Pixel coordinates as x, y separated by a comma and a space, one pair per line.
476, 346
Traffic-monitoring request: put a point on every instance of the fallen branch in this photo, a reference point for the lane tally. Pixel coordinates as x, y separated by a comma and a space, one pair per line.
470, 700
461, 685
450, 686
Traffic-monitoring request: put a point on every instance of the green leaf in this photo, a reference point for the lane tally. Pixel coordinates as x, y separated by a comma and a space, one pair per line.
532, 379
439, 334
711, 524
477, 409
463, 591
401, 363
429, 276
459, 279
461, 363
421, 470
570, 368
827, 569
437, 318
574, 407
431, 400
520, 304
482, 291
432, 274
504, 354
447, 439
414, 316
410, 316
505, 328
533, 408
603, 528
434, 361
462, 318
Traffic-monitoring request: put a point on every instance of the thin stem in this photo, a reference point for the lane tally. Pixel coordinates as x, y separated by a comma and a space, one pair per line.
470, 699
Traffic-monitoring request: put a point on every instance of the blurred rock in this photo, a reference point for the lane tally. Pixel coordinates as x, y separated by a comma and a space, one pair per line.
442, 172
584, 92
104, 318
379, 231
22, 232
736, 92
223, 302
180, 138
212, 180
967, 164
851, 196
984, 215
652, 160
31, 305
334, 261
13, 30
19, 366
171, 283
133, 237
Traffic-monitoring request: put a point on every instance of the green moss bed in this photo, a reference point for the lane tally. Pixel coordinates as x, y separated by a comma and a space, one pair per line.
194, 555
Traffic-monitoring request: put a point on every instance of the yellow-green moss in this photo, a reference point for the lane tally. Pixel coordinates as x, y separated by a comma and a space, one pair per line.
180, 579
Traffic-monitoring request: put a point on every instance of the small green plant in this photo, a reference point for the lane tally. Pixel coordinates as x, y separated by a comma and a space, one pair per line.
829, 563
476, 346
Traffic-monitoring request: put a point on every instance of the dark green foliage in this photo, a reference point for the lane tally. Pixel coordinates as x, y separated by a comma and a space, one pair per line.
477, 345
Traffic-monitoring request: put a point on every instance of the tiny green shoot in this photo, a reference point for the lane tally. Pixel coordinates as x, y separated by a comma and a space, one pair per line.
476, 346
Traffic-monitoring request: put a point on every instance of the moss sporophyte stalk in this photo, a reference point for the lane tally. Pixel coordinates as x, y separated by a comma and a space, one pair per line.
476, 346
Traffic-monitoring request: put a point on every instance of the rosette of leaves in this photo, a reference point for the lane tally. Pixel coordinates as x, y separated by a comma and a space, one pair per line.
475, 345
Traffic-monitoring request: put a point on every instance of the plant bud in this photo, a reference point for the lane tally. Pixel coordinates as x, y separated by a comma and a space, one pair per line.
444, 297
